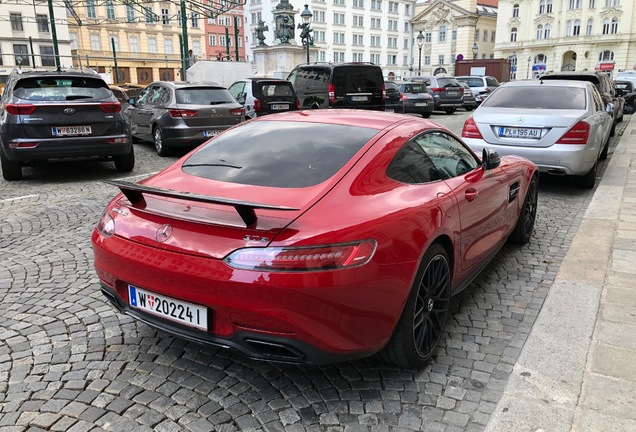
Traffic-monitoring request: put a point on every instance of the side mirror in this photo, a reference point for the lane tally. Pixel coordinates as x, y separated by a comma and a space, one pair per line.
131, 101
609, 108
620, 92
427, 83
241, 99
490, 159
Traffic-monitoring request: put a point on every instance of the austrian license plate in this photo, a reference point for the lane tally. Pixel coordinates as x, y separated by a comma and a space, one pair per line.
421, 104
359, 98
211, 133
171, 309
513, 132
280, 106
71, 130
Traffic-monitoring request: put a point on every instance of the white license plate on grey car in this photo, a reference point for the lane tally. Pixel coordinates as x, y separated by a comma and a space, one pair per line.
71, 130
513, 132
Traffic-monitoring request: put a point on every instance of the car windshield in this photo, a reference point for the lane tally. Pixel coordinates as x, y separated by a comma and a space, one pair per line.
61, 88
203, 96
537, 97
278, 154
414, 88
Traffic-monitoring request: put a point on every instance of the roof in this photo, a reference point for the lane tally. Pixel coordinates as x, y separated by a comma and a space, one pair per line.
492, 3
548, 83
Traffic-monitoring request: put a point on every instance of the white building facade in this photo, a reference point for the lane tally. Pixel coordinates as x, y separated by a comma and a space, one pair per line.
26, 39
566, 35
377, 31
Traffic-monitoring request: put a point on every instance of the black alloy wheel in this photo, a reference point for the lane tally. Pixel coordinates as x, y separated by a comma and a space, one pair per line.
525, 224
421, 325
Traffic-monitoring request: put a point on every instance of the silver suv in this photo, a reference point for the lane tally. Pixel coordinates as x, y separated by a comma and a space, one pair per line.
48, 115
481, 86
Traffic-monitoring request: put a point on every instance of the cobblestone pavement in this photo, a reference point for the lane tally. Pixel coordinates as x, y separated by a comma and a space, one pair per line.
69, 362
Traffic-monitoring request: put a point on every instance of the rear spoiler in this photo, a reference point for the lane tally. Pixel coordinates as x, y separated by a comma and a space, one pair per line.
135, 194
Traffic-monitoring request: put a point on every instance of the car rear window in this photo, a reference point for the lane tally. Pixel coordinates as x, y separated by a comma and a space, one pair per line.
273, 89
537, 97
357, 79
61, 88
492, 82
203, 96
414, 88
278, 154
446, 82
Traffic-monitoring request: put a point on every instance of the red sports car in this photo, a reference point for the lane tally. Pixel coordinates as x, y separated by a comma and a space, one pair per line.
313, 236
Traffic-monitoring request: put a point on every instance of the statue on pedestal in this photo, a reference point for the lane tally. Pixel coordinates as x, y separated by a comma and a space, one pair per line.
260, 32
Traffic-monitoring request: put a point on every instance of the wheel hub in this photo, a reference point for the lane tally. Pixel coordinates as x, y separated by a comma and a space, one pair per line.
429, 305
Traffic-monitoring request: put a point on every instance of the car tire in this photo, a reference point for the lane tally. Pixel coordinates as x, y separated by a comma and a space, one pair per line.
589, 180
449, 110
426, 115
125, 162
629, 109
525, 223
11, 170
421, 326
160, 145
613, 130
469, 109
135, 140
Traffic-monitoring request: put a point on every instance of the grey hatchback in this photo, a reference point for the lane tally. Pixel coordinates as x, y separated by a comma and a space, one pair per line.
47, 115
181, 114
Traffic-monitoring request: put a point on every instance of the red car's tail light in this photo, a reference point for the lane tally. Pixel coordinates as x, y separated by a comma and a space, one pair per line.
471, 130
106, 224
437, 89
297, 103
20, 109
257, 105
182, 113
403, 97
578, 134
332, 94
110, 107
237, 111
117, 140
326, 257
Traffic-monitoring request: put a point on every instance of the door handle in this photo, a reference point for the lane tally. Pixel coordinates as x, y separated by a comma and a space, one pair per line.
471, 194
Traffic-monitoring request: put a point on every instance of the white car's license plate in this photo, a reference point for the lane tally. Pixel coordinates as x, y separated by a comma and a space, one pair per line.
71, 130
212, 133
280, 106
513, 132
421, 104
359, 98
389, 110
174, 310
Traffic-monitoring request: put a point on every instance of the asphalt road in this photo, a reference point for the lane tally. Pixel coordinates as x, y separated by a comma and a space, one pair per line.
69, 362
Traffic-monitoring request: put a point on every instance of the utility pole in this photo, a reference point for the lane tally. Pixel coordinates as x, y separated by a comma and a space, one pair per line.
236, 37
56, 50
184, 30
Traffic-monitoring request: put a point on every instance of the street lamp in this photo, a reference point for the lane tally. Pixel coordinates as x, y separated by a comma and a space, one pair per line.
475, 50
420, 42
528, 71
305, 34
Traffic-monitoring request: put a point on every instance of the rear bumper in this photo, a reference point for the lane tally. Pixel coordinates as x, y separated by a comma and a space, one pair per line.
315, 318
80, 147
410, 107
184, 137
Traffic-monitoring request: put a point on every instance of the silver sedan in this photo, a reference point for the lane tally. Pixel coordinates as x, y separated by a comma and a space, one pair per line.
562, 126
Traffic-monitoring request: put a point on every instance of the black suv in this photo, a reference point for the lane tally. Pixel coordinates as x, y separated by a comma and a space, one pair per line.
339, 85
261, 96
605, 87
61, 114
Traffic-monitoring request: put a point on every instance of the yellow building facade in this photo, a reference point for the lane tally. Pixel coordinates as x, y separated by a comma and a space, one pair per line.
147, 39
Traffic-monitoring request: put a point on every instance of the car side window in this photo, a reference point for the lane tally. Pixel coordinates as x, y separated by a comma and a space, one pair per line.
146, 95
449, 156
598, 101
236, 89
163, 96
412, 165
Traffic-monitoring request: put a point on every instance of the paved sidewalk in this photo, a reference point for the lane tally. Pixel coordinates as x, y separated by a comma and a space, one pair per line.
577, 370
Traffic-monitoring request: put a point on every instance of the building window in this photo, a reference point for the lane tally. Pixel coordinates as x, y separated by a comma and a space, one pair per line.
21, 53
453, 58
133, 42
357, 57
165, 16
546, 31
321, 56
548, 6
74, 41
130, 13
391, 59
319, 17
110, 10
194, 20
428, 37
338, 18
476, 35
393, 25
376, 23
513, 34
152, 45
609, 3
43, 23
614, 26
358, 39
338, 2
114, 40
407, 10
568, 28
575, 4
606, 56
196, 48
376, 5
90, 9
16, 22
515, 11
541, 7
358, 21
591, 4
339, 56
588, 29
406, 44
576, 30
375, 58
358, 3
339, 38
375, 41
485, 36
427, 60
392, 42
492, 37
454, 34
540, 31
47, 56
150, 16
96, 42
393, 7
167, 45
441, 59
441, 35
407, 26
